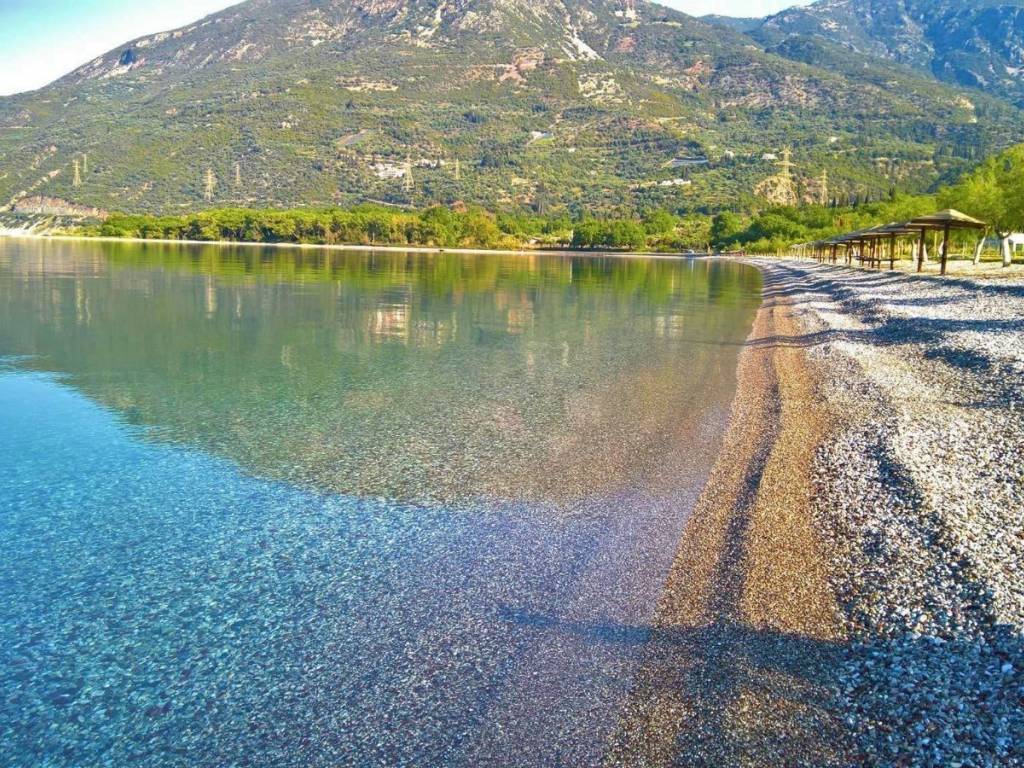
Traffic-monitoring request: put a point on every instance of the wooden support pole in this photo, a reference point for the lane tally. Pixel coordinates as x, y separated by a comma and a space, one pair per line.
892, 251
920, 253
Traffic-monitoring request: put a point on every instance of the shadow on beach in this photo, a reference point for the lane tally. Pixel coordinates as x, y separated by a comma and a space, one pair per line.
726, 689
696, 679
934, 336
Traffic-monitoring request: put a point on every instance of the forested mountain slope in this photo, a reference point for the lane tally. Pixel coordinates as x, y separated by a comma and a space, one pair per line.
598, 104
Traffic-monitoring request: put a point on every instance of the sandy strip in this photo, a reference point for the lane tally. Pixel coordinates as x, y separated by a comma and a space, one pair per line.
740, 669
850, 589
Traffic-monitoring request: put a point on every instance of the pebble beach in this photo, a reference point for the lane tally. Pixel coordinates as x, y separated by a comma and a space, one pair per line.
919, 500
849, 590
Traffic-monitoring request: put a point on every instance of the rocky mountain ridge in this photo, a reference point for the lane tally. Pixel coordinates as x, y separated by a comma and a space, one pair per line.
572, 104
974, 43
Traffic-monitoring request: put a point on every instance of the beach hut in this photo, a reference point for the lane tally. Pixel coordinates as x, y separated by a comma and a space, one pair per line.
945, 221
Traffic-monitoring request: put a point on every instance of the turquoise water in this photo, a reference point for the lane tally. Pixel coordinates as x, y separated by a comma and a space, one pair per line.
296, 509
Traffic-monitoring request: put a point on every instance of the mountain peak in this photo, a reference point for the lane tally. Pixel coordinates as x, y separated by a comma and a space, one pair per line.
256, 29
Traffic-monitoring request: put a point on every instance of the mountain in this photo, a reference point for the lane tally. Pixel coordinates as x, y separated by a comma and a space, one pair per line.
738, 23
598, 104
975, 43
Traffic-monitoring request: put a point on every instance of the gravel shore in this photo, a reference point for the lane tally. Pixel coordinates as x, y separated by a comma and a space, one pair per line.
740, 665
850, 589
920, 503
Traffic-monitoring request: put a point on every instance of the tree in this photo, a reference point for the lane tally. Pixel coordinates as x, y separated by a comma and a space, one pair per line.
480, 230
725, 226
440, 226
586, 234
994, 193
660, 223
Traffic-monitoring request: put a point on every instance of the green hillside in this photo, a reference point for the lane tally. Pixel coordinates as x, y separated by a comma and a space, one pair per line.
604, 105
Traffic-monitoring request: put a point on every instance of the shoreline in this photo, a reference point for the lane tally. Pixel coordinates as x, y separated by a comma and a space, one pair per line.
849, 587
345, 247
748, 625
959, 269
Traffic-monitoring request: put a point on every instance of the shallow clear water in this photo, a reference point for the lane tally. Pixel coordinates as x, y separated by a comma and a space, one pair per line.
294, 509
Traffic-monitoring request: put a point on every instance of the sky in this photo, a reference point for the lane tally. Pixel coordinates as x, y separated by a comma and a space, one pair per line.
41, 40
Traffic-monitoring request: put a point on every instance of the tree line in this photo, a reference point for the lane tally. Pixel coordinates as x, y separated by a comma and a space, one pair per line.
439, 227
993, 192
365, 225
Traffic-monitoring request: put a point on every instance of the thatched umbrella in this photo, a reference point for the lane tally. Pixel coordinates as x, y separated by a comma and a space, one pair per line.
946, 221
889, 232
850, 239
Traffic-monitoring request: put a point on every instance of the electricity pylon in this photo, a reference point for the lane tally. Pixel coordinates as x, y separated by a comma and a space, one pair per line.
408, 183
211, 184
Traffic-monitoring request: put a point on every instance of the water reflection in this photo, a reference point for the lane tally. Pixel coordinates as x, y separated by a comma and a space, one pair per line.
410, 376
166, 600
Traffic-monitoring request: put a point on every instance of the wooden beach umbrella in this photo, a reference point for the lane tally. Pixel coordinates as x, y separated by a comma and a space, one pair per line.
946, 221
870, 238
851, 239
895, 230
816, 249
865, 238
837, 241
889, 232
819, 250
833, 248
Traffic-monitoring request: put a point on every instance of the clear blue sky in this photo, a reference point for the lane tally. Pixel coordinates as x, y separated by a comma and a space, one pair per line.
40, 40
